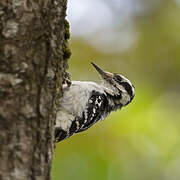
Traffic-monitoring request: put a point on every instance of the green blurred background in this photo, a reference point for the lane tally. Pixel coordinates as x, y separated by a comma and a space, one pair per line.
141, 40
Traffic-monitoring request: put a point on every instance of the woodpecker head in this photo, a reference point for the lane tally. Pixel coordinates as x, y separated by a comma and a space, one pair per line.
117, 86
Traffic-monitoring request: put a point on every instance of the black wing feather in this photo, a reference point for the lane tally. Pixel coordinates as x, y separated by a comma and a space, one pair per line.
95, 109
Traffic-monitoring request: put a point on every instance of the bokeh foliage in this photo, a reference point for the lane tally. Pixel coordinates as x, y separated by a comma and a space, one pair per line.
140, 142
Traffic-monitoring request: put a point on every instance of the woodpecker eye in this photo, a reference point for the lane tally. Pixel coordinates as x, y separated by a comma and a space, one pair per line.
117, 78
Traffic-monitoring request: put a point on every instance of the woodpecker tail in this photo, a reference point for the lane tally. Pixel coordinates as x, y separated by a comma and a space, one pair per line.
60, 134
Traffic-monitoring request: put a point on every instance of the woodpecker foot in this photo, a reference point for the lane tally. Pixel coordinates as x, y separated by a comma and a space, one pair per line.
67, 79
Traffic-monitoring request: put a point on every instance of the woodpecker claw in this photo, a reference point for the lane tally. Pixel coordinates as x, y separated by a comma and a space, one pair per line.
67, 79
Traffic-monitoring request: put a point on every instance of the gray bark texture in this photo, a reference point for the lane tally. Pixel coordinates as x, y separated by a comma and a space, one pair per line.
33, 62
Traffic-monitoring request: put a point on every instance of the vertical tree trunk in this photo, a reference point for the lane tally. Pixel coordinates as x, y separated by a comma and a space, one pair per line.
33, 60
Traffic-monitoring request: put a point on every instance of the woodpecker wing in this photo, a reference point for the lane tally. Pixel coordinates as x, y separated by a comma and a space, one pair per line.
82, 105
94, 112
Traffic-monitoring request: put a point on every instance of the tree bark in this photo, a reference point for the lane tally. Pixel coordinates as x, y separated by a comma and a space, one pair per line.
33, 61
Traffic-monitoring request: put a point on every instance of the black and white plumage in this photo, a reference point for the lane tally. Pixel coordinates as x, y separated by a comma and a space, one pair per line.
85, 103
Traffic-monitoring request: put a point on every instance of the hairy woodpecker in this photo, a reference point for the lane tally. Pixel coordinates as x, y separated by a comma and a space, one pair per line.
85, 103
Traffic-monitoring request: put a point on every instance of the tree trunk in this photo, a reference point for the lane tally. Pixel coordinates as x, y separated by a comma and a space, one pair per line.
33, 61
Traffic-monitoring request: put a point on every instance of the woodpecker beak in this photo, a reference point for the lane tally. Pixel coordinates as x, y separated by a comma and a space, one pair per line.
104, 74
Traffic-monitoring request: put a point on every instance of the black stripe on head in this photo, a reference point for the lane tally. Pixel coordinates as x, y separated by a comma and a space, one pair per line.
128, 88
117, 78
